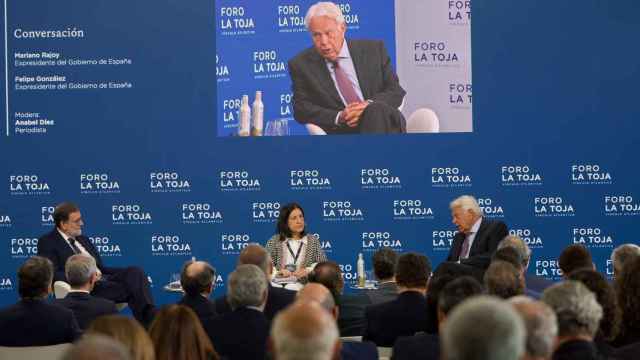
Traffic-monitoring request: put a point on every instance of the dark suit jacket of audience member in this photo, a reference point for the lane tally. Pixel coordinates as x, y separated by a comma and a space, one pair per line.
204, 308
421, 346
351, 321
241, 334
577, 350
629, 352
277, 299
404, 316
86, 307
536, 283
386, 291
485, 243
358, 351
37, 323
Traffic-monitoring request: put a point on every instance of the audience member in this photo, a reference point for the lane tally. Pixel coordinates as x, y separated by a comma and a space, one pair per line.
176, 333
427, 346
483, 328
126, 331
628, 292
32, 321
445, 273
351, 319
535, 285
278, 298
305, 331
97, 347
504, 280
622, 255
350, 350
541, 327
384, 268
196, 279
81, 273
578, 314
242, 334
408, 313
575, 257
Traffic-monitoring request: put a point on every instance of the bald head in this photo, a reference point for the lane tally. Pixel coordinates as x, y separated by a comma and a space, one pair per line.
314, 292
305, 331
197, 278
255, 254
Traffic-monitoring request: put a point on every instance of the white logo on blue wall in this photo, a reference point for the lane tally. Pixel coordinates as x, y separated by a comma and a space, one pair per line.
529, 237
450, 177
238, 180
28, 184
223, 74
411, 210
290, 19
590, 174
351, 18
98, 184
232, 244
234, 20
490, 209
265, 211
268, 65
591, 237
6, 284
341, 210
379, 178
285, 105
23, 247
349, 274
168, 181
230, 108
552, 206
441, 240
519, 175
169, 245
308, 179
621, 205
549, 269
5, 220
130, 214
374, 240
46, 215
105, 246
200, 213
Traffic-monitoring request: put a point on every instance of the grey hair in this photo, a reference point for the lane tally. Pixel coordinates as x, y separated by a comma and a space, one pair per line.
97, 347
466, 202
304, 332
576, 307
483, 328
324, 8
79, 269
519, 245
540, 323
623, 254
247, 286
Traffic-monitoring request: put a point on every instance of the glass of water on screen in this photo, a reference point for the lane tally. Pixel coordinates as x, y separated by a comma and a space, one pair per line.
277, 127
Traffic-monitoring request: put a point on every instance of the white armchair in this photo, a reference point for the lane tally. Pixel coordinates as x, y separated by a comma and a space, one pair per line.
423, 120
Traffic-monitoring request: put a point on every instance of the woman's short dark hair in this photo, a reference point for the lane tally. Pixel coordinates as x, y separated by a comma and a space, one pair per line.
282, 227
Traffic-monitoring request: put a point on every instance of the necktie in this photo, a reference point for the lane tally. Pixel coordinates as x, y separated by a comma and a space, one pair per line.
72, 242
465, 247
344, 85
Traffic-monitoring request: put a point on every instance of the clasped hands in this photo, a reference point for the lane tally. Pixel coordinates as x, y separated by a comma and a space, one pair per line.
350, 116
300, 273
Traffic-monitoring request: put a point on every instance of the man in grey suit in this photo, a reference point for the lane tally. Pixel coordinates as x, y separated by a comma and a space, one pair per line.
344, 87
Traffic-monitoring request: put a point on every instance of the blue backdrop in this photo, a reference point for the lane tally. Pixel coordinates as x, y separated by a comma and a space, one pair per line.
147, 156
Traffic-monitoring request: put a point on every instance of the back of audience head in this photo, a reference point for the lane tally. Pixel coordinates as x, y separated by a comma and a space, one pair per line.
328, 273
256, 255
197, 278
128, 332
384, 263
413, 271
540, 324
176, 333
81, 271
306, 331
247, 286
97, 347
622, 255
503, 280
628, 292
576, 308
320, 294
510, 255
35, 277
454, 293
514, 241
606, 297
483, 328
575, 257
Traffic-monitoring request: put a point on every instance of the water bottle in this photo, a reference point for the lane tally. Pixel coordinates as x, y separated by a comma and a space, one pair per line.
257, 118
362, 278
245, 116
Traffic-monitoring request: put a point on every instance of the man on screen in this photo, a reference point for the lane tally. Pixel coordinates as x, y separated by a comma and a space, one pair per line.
344, 86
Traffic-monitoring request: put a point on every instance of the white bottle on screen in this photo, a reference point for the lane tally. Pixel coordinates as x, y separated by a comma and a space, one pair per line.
361, 276
257, 118
245, 116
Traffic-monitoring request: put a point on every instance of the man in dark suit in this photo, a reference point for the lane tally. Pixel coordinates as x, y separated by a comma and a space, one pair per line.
278, 297
477, 237
384, 268
242, 334
33, 321
197, 279
344, 87
128, 285
408, 313
81, 273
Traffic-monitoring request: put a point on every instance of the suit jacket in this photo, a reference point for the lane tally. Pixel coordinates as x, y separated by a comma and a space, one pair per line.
203, 307
351, 317
577, 349
33, 322
312, 254
420, 346
53, 246
385, 292
485, 243
628, 352
352, 350
315, 97
277, 299
404, 316
241, 334
536, 283
86, 307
